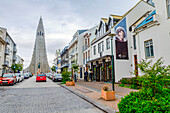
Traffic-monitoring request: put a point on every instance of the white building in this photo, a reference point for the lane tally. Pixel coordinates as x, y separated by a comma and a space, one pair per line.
151, 34
122, 44
2, 51
10, 51
19, 60
75, 50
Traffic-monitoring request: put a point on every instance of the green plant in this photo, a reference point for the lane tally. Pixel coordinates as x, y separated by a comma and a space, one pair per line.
105, 88
66, 76
53, 69
124, 81
75, 67
102, 67
110, 67
154, 95
121, 85
17, 67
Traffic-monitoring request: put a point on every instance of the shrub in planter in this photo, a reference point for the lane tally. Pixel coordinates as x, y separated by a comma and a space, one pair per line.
106, 94
66, 76
154, 95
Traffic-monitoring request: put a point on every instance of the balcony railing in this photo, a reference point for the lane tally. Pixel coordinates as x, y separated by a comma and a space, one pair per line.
7, 52
15, 49
84, 48
7, 41
88, 58
14, 58
6, 63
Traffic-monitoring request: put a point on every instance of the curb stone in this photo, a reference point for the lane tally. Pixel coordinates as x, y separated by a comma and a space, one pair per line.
100, 106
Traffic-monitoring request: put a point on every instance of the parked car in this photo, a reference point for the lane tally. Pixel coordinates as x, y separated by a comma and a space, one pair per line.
18, 77
22, 77
57, 77
26, 76
30, 75
8, 79
48, 75
41, 77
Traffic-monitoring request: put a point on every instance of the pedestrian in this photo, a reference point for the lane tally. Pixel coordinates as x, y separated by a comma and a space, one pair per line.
85, 76
91, 75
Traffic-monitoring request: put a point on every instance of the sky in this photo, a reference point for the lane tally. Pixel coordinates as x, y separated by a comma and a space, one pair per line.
61, 19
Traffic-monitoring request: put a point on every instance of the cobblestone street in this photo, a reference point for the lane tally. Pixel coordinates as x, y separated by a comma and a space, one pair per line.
42, 97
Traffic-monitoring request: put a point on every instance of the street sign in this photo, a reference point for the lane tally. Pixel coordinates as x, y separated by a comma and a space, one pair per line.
56, 68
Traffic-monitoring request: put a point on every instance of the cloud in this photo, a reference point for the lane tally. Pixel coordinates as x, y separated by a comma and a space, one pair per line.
61, 18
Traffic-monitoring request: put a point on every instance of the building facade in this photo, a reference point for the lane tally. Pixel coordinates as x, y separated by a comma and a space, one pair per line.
10, 52
87, 37
151, 34
57, 62
2, 51
64, 59
39, 62
75, 51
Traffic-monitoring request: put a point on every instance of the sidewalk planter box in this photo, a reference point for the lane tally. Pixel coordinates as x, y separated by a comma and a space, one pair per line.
107, 95
70, 83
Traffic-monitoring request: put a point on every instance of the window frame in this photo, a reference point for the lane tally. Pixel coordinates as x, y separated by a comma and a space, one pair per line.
149, 45
134, 42
168, 8
94, 50
107, 44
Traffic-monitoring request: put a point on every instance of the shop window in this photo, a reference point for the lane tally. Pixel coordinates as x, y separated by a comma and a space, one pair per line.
149, 49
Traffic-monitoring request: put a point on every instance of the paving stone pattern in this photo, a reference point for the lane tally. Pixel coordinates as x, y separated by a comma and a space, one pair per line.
41, 97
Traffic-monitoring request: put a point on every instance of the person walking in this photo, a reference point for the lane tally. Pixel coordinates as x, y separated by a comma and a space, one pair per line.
85, 76
91, 75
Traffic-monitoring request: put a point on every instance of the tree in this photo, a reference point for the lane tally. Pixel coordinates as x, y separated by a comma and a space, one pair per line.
17, 67
53, 69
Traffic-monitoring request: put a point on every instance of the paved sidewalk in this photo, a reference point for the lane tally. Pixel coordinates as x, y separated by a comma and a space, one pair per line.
93, 91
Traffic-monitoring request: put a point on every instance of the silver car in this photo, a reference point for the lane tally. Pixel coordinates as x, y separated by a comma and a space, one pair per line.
57, 77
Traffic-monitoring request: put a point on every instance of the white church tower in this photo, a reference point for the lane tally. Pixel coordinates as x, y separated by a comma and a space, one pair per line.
39, 58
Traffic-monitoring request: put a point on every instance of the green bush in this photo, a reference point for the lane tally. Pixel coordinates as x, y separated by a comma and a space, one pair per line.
154, 95
124, 81
121, 85
140, 102
66, 76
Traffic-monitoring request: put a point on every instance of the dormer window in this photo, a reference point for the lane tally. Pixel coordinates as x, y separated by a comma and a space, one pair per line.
40, 32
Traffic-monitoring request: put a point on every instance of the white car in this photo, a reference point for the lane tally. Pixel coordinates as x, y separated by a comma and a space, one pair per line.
22, 77
26, 75
48, 75
18, 77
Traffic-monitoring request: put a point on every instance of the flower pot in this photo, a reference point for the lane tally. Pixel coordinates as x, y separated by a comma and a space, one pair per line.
70, 83
107, 95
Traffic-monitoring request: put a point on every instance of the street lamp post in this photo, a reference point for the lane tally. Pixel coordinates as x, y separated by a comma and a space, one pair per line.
113, 76
112, 58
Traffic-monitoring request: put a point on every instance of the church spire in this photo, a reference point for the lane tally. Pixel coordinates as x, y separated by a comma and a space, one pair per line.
40, 25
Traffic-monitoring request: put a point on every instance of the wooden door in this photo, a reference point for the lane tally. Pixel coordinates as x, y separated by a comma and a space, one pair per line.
136, 65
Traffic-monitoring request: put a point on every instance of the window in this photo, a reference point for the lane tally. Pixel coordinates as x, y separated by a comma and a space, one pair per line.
107, 43
134, 42
149, 48
94, 49
100, 47
168, 8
